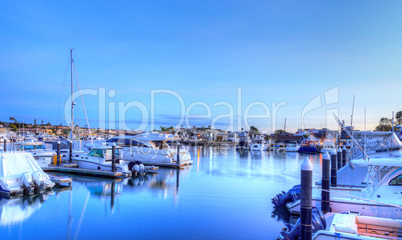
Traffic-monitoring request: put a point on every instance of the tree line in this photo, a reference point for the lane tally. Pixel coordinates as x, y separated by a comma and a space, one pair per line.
385, 124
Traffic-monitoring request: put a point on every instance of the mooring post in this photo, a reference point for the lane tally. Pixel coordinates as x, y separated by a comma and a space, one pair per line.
306, 200
334, 168
58, 161
343, 156
339, 156
178, 153
114, 157
326, 168
5, 145
70, 158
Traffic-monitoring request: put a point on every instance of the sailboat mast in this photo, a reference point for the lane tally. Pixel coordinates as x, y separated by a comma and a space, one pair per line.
72, 100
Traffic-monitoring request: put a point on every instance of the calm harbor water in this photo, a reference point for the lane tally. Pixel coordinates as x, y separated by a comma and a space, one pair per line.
225, 194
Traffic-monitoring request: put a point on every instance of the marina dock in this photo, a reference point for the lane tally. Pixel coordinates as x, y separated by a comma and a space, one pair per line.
70, 168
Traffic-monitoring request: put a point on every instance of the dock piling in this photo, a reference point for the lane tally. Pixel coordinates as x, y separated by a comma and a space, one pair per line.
178, 153
70, 158
58, 161
339, 156
326, 166
5, 145
343, 156
334, 168
306, 200
114, 157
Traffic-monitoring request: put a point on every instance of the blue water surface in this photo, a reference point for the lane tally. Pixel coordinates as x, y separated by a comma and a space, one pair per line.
225, 194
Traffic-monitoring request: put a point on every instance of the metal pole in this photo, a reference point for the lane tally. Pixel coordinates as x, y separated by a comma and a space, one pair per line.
306, 200
178, 153
71, 151
339, 156
5, 145
334, 168
72, 99
58, 161
343, 156
113, 157
326, 168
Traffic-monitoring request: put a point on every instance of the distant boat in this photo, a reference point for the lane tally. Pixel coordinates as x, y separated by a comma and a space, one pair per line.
292, 147
38, 150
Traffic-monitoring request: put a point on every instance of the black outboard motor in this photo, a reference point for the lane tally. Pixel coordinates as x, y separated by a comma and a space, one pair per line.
318, 223
291, 196
137, 168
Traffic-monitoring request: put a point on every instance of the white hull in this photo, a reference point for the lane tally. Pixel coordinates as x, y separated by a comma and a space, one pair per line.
292, 149
365, 208
256, 147
151, 156
85, 164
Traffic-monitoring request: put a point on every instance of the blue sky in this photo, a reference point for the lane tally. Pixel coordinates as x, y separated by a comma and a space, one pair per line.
274, 51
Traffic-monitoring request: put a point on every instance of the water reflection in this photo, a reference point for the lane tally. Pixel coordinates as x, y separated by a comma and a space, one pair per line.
14, 211
224, 190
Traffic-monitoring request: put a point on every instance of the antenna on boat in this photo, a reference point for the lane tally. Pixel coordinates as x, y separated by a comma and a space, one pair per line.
353, 109
351, 137
365, 131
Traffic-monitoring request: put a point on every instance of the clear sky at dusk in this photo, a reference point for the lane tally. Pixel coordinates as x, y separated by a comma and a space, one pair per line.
273, 51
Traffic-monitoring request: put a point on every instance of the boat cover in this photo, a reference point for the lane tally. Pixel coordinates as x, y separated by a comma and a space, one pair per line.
13, 164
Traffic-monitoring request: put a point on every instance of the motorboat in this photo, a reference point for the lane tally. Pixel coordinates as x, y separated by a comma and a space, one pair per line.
257, 145
151, 148
43, 156
328, 147
100, 158
292, 147
20, 174
377, 192
371, 184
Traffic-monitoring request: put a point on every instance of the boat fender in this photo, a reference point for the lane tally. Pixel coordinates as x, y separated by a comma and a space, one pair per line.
291, 196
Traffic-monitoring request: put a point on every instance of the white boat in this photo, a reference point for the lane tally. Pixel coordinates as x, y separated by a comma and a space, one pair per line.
292, 147
257, 145
100, 158
371, 187
328, 147
151, 148
232, 137
20, 174
355, 227
43, 156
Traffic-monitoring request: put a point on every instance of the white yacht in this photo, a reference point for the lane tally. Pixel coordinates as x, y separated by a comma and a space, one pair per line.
292, 147
232, 137
100, 158
328, 147
20, 174
151, 148
370, 184
43, 156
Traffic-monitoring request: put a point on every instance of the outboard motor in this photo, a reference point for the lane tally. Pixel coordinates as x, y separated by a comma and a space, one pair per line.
318, 223
135, 168
143, 170
291, 196
26, 182
39, 181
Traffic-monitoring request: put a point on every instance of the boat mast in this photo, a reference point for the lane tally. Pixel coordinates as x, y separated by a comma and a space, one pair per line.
72, 100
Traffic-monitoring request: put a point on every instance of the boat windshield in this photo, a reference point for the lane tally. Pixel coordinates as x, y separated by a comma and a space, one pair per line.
108, 154
396, 181
161, 145
30, 147
96, 153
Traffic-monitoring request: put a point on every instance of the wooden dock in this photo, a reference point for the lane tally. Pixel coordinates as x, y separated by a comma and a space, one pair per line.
59, 180
87, 172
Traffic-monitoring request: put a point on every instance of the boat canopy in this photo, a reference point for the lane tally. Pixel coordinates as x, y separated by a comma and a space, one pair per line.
12, 165
381, 162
